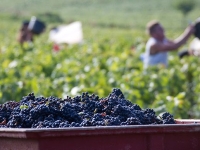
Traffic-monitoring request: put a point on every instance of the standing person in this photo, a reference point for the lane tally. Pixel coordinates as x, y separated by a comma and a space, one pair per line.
158, 45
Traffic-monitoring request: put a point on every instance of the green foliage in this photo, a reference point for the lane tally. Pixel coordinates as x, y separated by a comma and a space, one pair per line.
97, 67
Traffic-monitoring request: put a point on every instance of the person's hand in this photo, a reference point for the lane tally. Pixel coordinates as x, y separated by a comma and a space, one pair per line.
190, 29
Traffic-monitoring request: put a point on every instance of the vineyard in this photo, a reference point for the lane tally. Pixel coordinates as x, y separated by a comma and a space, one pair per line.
108, 58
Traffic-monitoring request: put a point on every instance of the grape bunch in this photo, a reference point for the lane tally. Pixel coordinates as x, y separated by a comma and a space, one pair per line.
80, 111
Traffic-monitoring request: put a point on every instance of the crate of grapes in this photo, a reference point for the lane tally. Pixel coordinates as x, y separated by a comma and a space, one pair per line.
88, 122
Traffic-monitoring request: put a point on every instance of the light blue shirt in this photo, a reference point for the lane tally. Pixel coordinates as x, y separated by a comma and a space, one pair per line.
154, 59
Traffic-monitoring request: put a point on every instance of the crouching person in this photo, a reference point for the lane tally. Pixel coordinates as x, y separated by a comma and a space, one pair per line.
25, 35
29, 29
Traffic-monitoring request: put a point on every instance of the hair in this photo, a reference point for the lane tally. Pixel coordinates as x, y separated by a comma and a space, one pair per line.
151, 26
25, 23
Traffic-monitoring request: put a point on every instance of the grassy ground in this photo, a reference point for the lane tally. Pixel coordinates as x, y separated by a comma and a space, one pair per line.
122, 14
111, 19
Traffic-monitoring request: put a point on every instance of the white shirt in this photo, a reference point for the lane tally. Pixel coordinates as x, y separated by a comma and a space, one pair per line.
154, 59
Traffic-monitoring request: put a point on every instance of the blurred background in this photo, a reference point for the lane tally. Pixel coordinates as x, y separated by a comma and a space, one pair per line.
108, 57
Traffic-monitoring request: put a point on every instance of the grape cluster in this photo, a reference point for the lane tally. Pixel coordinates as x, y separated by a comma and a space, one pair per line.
79, 111
167, 118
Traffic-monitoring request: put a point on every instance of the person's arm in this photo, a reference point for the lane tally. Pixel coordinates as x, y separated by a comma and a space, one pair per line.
172, 45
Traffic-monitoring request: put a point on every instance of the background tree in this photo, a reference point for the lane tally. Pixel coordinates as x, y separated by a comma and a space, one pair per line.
184, 6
